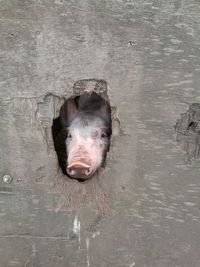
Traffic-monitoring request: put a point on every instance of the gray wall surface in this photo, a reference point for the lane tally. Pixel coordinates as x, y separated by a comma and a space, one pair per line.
143, 208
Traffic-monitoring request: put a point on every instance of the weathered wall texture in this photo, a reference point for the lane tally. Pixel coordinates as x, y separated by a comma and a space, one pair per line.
143, 209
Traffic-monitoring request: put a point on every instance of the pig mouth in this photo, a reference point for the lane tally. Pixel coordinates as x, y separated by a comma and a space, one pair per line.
79, 170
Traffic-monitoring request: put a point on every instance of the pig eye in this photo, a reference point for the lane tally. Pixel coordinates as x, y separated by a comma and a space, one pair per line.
103, 135
69, 135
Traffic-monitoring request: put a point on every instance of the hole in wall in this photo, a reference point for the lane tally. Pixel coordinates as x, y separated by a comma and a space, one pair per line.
95, 191
82, 132
188, 131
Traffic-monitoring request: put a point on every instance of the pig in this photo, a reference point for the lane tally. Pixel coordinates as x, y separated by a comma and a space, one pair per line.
87, 119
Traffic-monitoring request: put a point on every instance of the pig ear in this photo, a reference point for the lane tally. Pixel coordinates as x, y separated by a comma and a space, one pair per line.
104, 111
68, 112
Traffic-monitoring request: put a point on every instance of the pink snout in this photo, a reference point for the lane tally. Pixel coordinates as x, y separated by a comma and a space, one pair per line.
79, 170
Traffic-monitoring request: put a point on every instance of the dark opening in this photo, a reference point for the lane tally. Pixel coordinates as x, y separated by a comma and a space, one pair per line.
59, 136
86, 112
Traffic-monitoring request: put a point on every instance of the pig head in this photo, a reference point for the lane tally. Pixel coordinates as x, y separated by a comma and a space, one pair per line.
87, 119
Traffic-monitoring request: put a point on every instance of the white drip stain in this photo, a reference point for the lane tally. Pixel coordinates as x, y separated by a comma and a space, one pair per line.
87, 248
95, 234
77, 228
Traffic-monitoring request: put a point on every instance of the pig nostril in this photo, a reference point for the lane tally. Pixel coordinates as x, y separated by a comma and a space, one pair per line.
71, 172
88, 171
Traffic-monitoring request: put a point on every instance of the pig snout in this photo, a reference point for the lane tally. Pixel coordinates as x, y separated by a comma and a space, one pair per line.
79, 170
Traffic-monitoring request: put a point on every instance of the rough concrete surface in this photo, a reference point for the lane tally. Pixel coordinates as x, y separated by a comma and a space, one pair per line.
143, 209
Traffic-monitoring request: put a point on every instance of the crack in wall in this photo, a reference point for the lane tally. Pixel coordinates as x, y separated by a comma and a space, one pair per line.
188, 131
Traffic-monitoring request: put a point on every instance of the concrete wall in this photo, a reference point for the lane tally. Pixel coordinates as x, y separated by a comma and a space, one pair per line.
143, 209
